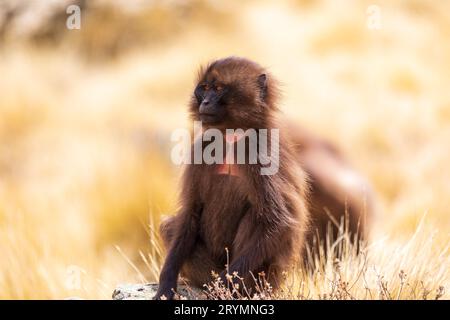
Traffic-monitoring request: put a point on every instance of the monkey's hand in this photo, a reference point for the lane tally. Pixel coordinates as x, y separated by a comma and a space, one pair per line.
167, 284
164, 294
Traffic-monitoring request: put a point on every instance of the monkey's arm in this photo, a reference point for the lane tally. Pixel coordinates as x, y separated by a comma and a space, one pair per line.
181, 247
185, 235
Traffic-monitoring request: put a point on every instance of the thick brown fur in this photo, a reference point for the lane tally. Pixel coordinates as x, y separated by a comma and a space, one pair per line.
264, 221
261, 219
340, 199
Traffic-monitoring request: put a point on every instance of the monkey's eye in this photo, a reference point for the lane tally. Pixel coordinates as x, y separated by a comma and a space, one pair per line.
218, 88
200, 93
205, 86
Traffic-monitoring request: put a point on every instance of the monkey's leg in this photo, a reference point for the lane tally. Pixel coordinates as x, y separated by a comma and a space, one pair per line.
269, 271
198, 267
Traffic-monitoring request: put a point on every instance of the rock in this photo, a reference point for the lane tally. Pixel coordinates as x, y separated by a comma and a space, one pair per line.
147, 291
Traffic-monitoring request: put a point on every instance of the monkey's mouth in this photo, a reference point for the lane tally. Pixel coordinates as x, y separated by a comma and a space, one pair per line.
209, 118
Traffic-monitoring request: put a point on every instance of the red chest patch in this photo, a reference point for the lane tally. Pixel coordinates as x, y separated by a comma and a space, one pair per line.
229, 168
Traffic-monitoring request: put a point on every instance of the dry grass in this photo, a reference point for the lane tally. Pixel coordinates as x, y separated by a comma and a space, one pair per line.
383, 271
85, 139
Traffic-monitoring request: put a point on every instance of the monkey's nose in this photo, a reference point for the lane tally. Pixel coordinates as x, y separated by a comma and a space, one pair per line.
205, 106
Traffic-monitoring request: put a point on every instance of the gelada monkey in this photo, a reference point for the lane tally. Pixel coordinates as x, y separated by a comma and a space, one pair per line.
262, 219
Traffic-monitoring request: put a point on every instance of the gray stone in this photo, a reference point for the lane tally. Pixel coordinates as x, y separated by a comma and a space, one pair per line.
147, 291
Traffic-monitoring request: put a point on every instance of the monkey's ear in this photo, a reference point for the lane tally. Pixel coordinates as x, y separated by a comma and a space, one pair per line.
262, 83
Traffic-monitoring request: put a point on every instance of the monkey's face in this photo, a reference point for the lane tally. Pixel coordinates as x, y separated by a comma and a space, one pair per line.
212, 101
231, 93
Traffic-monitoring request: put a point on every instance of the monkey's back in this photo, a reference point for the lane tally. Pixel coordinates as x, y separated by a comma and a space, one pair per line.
337, 190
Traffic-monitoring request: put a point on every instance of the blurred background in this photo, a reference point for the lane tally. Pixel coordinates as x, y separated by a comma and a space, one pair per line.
86, 117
